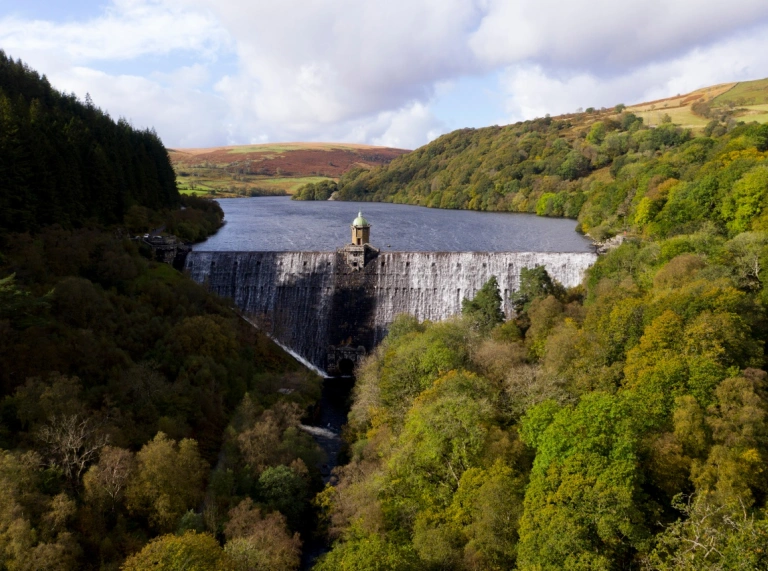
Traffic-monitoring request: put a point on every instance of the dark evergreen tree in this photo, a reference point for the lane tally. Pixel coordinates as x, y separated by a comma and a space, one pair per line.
485, 309
534, 282
67, 162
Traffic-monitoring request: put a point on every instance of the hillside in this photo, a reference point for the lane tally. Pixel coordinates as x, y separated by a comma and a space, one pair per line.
574, 165
134, 404
67, 162
622, 424
742, 101
266, 169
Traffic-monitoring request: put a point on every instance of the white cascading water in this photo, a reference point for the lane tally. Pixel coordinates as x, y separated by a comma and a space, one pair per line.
431, 285
291, 295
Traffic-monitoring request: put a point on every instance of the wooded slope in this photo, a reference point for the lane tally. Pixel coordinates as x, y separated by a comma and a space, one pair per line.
67, 162
592, 166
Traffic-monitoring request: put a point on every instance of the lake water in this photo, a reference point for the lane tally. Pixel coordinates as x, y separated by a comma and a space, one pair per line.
282, 224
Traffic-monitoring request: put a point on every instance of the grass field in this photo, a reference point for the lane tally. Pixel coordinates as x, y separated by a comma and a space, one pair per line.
221, 187
682, 100
748, 98
195, 192
745, 93
291, 185
284, 147
757, 113
264, 149
682, 116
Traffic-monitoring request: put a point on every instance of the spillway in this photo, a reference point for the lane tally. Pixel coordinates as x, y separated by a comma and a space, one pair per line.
326, 306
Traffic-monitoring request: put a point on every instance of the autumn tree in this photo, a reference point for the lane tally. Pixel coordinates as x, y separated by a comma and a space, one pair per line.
72, 443
272, 437
167, 482
731, 476
258, 541
105, 482
709, 537
34, 528
189, 552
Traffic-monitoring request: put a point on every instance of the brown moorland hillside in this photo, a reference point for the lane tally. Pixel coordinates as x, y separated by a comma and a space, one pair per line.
270, 169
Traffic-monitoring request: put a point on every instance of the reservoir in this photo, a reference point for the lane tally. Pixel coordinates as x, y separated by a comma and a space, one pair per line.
290, 268
279, 224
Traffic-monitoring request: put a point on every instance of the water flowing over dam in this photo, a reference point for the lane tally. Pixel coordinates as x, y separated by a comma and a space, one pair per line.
332, 308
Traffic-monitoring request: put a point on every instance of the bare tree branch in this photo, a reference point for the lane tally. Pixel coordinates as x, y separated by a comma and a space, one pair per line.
72, 443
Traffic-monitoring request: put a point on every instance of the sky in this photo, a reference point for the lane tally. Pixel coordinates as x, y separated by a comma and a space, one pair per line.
397, 73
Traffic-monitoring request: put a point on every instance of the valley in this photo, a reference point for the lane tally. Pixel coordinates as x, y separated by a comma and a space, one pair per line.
507, 398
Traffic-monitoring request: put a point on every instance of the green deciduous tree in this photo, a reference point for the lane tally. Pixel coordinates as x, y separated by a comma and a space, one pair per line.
285, 489
486, 509
574, 166
747, 200
413, 361
369, 552
583, 506
444, 434
597, 133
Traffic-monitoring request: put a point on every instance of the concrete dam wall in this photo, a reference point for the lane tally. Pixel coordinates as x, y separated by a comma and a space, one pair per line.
333, 307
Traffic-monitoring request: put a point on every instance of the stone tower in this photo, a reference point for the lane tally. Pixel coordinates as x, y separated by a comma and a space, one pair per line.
359, 252
361, 230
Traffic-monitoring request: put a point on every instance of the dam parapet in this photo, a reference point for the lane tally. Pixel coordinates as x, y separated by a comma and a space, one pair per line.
332, 308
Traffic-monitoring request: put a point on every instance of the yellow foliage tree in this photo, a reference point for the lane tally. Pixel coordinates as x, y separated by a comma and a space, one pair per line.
167, 482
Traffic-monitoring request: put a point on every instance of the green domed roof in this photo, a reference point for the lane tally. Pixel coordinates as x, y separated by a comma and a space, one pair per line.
360, 221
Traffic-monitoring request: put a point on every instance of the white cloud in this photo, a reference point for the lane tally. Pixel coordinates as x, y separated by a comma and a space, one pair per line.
322, 63
408, 128
371, 71
185, 77
184, 118
532, 91
127, 29
606, 34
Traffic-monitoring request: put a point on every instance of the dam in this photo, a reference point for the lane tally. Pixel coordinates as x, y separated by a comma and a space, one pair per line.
332, 308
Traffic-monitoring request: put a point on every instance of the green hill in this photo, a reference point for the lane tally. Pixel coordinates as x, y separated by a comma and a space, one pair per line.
596, 167
622, 424
745, 93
